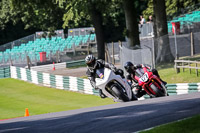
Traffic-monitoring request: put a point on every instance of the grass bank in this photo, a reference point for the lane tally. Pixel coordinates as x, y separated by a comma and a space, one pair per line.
190, 125
16, 95
169, 75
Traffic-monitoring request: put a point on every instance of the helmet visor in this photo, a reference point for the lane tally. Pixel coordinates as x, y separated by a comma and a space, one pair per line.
91, 64
130, 69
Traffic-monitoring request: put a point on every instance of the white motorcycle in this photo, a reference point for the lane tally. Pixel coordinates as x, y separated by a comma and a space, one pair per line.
113, 86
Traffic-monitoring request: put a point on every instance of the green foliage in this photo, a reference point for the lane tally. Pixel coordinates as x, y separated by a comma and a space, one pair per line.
77, 13
149, 10
41, 14
7, 14
174, 7
48, 15
74, 15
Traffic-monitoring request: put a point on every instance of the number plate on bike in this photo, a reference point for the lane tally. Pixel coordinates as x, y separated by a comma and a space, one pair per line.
144, 78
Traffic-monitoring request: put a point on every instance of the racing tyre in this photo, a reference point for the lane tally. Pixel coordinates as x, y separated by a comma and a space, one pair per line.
164, 89
159, 93
119, 93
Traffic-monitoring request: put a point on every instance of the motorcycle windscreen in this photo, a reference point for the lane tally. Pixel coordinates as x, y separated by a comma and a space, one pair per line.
139, 72
100, 73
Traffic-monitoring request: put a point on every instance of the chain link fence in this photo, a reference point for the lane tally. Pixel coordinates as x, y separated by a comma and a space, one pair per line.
18, 42
187, 44
146, 29
182, 45
138, 56
33, 48
16, 58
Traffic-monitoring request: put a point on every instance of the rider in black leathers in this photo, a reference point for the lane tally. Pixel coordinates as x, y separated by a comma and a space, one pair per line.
130, 68
93, 64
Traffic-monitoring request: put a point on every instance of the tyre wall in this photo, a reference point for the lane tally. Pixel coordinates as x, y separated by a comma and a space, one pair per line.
83, 85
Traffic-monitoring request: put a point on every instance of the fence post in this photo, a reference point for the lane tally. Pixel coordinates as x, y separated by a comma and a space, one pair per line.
175, 66
106, 56
176, 47
177, 69
88, 48
120, 43
113, 59
197, 70
11, 62
190, 68
192, 44
107, 53
183, 65
57, 58
28, 62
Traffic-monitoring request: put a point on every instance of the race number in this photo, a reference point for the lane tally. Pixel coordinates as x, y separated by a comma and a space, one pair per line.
144, 78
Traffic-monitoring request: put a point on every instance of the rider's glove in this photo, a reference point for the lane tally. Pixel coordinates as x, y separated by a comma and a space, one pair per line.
135, 85
95, 87
139, 66
114, 69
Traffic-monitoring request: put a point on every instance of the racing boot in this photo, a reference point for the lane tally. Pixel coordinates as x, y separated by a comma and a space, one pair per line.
101, 94
163, 82
139, 92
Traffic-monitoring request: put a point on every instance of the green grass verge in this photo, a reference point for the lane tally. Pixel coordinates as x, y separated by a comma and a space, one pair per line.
190, 125
16, 95
169, 75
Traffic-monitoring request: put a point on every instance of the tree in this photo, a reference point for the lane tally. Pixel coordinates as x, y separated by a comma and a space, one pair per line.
160, 22
11, 27
158, 10
174, 8
95, 11
41, 14
132, 30
7, 15
97, 20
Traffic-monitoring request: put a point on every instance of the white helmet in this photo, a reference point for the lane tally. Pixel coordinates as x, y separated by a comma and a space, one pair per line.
90, 61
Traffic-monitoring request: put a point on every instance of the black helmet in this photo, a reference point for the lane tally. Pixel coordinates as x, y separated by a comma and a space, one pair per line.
129, 67
90, 61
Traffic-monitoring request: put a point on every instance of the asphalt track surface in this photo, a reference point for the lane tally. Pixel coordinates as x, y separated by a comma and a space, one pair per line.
117, 118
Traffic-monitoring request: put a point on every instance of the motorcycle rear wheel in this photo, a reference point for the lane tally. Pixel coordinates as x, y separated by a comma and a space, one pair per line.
159, 93
120, 94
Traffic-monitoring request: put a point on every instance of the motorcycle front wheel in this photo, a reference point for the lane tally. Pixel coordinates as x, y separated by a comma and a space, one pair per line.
120, 94
159, 93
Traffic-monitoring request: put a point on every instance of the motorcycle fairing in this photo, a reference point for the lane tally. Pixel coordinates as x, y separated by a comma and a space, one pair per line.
110, 76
